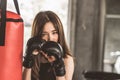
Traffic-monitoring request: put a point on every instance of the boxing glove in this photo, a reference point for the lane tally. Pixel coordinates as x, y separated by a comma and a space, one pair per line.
33, 43
54, 49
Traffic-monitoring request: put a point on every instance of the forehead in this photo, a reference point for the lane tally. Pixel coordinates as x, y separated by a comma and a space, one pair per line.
48, 27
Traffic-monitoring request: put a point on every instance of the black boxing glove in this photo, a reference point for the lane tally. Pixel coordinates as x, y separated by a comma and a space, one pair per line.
33, 43
28, 60
54, 49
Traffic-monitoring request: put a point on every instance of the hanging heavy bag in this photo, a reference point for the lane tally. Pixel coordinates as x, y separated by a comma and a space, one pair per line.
11, 43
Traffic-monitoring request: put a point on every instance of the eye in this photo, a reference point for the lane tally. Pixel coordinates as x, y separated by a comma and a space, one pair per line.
43, 34
55, 32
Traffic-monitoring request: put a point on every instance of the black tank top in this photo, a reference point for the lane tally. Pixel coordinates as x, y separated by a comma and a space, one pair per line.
46, 72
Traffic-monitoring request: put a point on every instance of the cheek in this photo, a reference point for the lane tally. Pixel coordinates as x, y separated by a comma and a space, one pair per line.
56, 38
45, 38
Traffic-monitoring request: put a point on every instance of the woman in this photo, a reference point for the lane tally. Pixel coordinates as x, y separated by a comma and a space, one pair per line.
48, 27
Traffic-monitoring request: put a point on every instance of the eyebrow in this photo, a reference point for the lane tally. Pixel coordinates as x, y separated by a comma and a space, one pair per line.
54, 30
46, 32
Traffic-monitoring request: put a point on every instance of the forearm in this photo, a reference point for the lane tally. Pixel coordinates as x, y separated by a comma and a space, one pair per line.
26, 74
60, 78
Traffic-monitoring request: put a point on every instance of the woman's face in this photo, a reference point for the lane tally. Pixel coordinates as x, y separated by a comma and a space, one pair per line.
49, 32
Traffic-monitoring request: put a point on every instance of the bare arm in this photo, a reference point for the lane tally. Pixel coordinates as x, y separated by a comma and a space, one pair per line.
26, 74
69, 66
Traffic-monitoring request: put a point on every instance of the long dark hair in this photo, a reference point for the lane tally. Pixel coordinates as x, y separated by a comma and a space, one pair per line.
37, 28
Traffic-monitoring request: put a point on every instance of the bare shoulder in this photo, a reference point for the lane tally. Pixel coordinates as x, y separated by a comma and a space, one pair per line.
69, 60
69, 66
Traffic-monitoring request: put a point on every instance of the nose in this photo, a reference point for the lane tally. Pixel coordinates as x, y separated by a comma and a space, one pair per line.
50, 37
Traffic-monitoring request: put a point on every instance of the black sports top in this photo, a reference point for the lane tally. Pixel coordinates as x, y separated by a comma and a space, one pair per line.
46, 72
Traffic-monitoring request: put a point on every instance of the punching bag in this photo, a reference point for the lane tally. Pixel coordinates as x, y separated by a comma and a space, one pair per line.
11, 43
